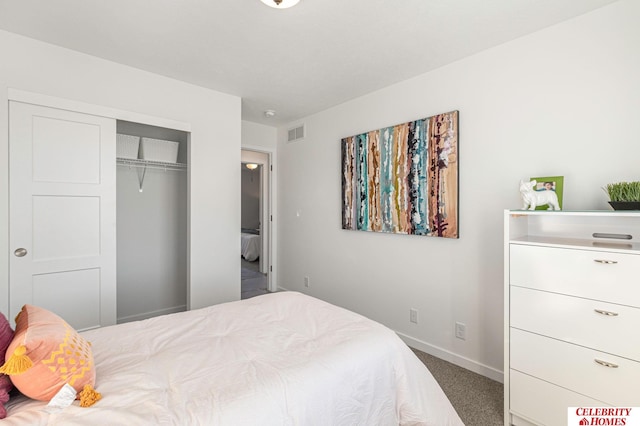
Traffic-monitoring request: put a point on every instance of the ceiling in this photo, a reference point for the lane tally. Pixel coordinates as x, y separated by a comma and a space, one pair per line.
296, 61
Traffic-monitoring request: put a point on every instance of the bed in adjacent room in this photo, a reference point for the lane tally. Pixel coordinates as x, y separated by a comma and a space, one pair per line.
250, 245
281, 358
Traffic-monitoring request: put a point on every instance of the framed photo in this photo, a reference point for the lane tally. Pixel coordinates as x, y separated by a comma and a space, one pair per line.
550, 183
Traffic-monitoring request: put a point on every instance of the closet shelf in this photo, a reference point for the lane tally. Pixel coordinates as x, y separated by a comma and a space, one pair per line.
146, 164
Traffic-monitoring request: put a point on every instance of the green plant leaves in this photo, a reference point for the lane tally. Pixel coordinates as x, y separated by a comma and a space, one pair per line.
623, 191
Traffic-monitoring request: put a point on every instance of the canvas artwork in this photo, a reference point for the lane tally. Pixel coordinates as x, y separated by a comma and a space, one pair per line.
403, 179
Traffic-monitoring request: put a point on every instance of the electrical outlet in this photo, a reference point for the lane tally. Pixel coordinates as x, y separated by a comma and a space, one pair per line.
461, 331
306, 281
413, 315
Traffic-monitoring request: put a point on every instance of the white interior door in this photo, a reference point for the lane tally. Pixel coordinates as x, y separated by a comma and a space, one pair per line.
62, 214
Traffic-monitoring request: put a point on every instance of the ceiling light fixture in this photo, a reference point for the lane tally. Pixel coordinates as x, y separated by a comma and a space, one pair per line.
280, 4
252, 166
269, 113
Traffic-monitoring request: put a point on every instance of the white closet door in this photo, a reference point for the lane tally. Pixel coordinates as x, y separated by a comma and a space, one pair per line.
62, 214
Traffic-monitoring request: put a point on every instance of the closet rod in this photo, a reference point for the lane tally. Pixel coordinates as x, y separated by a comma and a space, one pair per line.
128, 162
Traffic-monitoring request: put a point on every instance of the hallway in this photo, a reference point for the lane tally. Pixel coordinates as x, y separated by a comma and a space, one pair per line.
253, 283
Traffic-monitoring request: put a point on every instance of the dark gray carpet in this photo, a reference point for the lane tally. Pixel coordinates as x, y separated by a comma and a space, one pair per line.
478, 400
247, 274
253, 283
254, 266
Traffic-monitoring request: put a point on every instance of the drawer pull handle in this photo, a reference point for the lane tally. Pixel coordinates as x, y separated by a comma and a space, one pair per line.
606, 262
607, 313
606, 364
614, 236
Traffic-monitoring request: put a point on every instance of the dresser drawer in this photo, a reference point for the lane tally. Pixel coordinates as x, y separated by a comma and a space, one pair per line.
542, 402
583, 273
575, 368
598, 325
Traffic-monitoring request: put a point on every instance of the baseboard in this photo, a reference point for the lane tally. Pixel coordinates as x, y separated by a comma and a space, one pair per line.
458, 360
151, 314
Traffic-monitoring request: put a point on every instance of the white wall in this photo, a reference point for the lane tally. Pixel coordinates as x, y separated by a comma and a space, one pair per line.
258, 136
214, 118
563, 101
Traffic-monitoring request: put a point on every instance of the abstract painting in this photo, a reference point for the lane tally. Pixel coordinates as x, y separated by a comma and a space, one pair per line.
403, 179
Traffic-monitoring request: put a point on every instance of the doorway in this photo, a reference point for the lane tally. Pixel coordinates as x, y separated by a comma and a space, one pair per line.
255, 223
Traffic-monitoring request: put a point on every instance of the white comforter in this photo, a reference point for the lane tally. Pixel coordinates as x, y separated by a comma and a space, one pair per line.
279, 359
250, 246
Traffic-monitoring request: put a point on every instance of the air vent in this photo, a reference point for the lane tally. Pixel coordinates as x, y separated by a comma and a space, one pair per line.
296, 133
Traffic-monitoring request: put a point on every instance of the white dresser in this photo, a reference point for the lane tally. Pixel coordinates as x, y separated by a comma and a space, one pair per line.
572, 313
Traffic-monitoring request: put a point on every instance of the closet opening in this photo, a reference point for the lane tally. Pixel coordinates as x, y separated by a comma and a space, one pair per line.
151, 221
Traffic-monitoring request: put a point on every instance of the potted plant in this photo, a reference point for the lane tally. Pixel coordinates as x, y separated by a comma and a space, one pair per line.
624, 195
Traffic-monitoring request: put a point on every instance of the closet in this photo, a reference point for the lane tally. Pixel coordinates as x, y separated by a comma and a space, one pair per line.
93, 239
151, 223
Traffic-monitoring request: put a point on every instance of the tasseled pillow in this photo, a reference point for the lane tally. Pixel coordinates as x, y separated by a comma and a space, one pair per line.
45, 354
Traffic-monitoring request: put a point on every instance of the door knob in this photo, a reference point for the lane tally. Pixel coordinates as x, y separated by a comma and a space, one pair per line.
20, 252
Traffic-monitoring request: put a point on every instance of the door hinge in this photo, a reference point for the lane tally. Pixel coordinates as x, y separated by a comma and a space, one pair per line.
270, 268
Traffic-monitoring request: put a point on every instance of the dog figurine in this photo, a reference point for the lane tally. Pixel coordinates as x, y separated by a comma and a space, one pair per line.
532, 198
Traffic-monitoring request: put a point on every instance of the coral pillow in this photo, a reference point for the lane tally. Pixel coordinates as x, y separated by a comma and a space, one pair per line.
6, 336
46, 353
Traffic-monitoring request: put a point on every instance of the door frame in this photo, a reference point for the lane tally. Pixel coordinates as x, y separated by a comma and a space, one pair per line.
85, 108
269, 210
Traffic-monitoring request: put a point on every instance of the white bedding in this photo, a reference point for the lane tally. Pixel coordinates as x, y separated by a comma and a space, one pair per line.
250, 246
279, 359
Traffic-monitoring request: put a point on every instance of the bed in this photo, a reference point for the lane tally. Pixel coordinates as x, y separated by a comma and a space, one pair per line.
250, 246
279, 359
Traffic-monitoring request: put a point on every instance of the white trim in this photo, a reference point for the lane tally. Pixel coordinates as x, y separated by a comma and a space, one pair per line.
458, 360
272, 275
151, 314
86, 108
